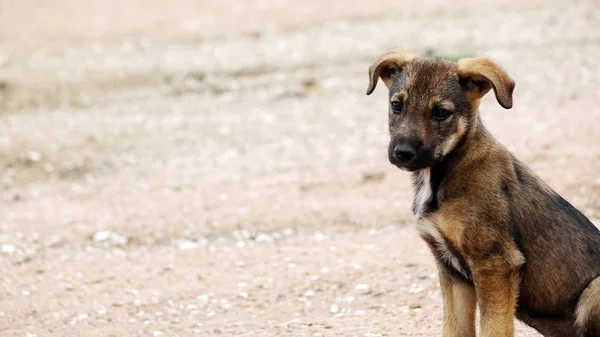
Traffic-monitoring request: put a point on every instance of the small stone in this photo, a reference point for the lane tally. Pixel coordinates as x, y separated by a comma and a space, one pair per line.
8, 249
263, 238
82, 316
112, 238
186, 245
362, 287
415, 306
415, 289
34, 156
334, 309
157, 333
242, 284
243, 295
101, 236
118, 239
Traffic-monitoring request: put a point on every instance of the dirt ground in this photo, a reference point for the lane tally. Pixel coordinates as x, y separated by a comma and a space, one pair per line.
213, 168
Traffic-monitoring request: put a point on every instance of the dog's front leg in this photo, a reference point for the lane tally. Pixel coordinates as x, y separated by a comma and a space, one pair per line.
497, 291
459, 304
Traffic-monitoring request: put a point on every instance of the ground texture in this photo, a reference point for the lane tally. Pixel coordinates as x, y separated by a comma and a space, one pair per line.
205, 168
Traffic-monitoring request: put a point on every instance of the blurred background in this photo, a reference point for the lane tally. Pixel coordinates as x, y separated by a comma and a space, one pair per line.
214, 167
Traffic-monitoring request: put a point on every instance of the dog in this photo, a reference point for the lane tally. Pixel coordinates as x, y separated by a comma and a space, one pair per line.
503, 240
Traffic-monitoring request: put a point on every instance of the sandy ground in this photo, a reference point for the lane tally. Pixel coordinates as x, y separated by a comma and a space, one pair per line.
206, 168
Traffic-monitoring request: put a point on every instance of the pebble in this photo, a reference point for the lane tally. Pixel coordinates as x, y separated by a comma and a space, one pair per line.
34, 156
415, 289
334, 309
112, 238
261, 237
157, 333
8, 249
186, 245
362, 286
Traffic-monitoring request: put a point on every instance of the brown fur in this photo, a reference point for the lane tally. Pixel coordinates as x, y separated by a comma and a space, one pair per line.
503, 239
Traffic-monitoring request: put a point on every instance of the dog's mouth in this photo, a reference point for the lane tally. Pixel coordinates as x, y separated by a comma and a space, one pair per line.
423, 160
409, 168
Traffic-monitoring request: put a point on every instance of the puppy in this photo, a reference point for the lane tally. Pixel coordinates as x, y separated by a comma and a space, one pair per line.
503, 240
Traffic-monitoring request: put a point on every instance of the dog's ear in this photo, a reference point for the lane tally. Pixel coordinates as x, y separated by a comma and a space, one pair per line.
386, 66
481, 74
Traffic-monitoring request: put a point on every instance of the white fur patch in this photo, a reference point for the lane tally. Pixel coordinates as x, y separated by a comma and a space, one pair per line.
423, 193
427, 227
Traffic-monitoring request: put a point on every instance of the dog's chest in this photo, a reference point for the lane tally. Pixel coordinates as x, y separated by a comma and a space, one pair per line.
430, 232
442, 248
423, 193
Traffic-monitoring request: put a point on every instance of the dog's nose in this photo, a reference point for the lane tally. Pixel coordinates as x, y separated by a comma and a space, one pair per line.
404, 152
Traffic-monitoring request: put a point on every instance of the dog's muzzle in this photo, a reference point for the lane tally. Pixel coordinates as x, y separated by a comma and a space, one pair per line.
410, 154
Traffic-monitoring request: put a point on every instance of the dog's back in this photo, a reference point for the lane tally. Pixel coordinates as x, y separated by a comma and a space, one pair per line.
561, 247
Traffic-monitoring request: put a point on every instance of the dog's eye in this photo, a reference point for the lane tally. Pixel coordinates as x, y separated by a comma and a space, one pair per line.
440, 114
396, 107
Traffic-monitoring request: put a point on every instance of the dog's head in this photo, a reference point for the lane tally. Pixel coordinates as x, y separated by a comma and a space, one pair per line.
433, 102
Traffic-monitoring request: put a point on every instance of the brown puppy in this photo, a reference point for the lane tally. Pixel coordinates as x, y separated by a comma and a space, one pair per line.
502, 238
